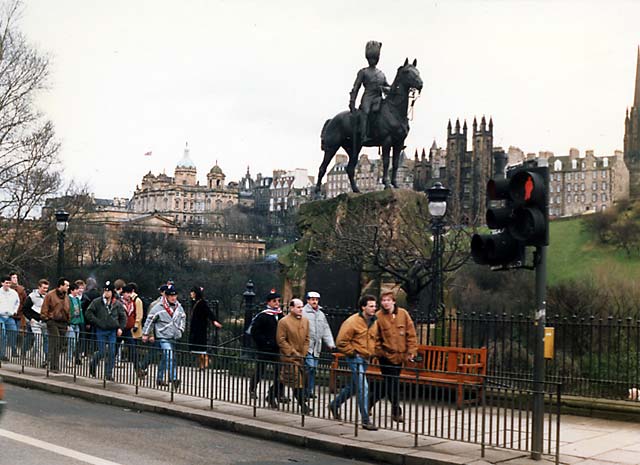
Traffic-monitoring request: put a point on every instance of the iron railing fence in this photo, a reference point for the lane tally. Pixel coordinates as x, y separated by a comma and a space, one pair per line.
593, 356
496, 411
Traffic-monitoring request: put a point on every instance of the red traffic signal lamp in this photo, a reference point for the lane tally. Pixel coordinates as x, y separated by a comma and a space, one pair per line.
521, 220
529, 191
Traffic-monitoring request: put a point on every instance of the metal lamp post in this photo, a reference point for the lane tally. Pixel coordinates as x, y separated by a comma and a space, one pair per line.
62, 223
248, 297
437, 196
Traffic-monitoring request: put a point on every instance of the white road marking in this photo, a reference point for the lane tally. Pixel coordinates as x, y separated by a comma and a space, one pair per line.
56, 449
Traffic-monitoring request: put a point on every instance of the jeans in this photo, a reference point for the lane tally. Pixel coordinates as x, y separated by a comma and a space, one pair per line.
9, 334
73, 333
40, 338
310, 363
167, 362
105, 337
358, 385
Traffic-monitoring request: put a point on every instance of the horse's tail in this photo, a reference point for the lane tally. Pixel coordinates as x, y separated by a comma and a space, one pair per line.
322, 133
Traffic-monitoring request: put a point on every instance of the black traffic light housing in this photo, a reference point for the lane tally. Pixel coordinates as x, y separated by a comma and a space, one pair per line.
522, 219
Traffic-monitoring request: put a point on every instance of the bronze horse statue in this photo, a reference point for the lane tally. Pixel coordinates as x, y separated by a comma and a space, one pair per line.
388, 129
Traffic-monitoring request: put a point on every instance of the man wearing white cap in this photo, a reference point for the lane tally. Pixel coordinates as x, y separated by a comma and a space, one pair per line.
319, 332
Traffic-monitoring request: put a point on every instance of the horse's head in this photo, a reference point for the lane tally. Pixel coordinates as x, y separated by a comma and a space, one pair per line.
408, 76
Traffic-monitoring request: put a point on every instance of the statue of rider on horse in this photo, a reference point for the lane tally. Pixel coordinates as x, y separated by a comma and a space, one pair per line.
378, 122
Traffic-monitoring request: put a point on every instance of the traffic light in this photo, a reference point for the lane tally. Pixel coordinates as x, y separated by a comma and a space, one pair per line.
522, 219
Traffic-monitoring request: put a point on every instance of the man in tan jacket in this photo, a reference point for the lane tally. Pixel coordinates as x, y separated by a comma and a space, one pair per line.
358, 340
55, 312
398, 344
293, 339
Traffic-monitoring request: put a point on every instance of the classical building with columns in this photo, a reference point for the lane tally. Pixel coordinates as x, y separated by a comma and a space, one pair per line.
182, 198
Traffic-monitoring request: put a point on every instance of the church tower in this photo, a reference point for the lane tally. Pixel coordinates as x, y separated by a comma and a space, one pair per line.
632, 138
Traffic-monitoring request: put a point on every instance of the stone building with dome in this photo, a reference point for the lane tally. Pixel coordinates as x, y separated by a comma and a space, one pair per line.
182, 198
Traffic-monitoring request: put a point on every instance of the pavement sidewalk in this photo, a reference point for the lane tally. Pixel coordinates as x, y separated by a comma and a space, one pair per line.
584, 440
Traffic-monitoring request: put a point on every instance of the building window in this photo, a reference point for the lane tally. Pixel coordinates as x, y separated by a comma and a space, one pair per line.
604, 174
594, 186
594, 174
604, 186
583, 198
570, 176
582, 187
568, 198
594, 198
604, 197
568, 187
605, 162
576, 198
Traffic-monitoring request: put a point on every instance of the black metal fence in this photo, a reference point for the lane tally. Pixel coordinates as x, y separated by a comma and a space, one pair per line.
592, 357
496, 411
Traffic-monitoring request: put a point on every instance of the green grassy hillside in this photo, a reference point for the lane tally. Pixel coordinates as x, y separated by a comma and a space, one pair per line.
574, 254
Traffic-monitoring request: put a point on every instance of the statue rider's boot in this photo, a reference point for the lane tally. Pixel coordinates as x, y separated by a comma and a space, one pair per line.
364, 129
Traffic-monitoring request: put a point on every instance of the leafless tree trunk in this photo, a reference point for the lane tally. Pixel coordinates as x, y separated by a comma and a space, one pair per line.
29, 163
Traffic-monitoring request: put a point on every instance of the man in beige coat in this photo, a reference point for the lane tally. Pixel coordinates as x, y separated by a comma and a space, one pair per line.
293, 339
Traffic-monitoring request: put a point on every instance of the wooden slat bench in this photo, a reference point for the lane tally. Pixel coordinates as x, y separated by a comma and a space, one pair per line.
452, 367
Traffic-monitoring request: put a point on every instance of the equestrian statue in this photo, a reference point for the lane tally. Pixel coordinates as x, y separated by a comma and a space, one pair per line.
379, 122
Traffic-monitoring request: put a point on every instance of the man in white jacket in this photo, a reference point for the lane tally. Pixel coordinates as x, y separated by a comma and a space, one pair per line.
9, 304
319, 332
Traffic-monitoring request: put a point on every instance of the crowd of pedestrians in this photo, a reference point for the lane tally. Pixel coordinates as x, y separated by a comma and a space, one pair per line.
61, 323
75, 321
291, 344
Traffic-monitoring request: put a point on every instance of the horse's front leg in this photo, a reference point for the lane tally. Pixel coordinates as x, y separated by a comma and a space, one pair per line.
385, 166
394, 167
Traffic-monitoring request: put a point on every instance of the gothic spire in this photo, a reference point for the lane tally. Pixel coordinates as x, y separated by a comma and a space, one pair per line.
636, 100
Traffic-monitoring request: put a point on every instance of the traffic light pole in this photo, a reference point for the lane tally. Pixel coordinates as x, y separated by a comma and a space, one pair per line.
537, 440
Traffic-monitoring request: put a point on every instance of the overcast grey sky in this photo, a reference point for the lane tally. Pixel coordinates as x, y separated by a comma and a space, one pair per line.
252, 82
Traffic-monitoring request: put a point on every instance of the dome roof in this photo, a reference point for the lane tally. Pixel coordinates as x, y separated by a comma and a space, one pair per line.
185, 161
216, 170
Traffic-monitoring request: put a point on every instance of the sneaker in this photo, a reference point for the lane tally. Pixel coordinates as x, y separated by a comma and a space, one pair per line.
142, 374
334, 411
273, 403
162, 383
109, 378
176, 384
397, 418
92, 370
369, 427
253, 395
284, 400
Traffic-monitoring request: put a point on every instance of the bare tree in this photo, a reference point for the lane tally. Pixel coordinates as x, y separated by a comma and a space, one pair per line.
28, 147
383, 234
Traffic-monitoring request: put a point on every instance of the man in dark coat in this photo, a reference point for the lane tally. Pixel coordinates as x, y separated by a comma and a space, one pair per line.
107, 315
263, 331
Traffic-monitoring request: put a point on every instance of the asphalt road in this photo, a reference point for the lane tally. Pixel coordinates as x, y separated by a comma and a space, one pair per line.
39, 428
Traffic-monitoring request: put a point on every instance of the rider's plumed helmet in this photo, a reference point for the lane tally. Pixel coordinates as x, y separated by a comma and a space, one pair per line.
372, 49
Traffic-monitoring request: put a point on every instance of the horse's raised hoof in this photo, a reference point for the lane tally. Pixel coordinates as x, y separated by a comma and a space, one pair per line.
387, 186
395, 185
356, 190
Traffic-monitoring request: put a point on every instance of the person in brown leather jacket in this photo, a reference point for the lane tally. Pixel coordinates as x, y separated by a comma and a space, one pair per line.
357, 340
56, 313
398, 344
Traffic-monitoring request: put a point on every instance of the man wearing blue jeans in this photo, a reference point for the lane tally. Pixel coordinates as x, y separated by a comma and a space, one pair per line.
167, 321
319, 332
358, 339
106, 314
9, 304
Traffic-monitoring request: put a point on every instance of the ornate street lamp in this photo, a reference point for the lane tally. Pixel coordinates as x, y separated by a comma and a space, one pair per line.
248, 297
437, 196
62, 223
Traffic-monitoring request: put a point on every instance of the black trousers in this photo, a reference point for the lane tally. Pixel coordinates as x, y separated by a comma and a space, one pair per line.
262, 361
389, 387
